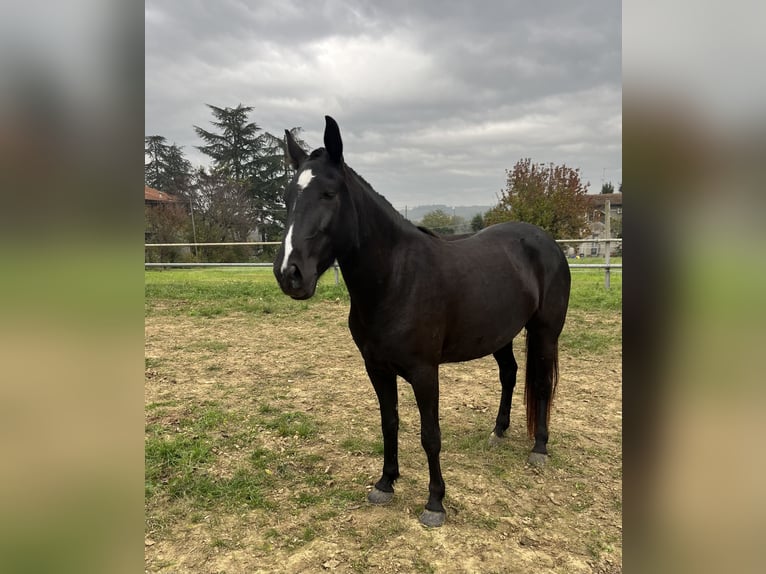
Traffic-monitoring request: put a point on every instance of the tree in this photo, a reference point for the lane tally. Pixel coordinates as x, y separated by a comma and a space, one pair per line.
223, 206
235, 149
440, 222
167, 170
549, 196
607, 187
477, 223
223, 212
156, 149
165, 223
615, 226
253, 160
269, 182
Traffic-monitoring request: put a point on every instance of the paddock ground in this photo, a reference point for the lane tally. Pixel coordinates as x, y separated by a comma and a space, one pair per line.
263, 438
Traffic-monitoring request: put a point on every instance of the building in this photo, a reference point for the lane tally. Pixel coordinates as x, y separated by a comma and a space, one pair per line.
597, 203
156, 197
164, 215
596, 217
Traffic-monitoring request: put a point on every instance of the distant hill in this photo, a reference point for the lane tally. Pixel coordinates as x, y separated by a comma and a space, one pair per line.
467, 212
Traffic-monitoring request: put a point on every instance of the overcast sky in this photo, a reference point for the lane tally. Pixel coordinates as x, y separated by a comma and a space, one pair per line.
435, 99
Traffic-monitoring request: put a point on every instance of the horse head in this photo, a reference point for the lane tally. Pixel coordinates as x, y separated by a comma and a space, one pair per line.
313, 199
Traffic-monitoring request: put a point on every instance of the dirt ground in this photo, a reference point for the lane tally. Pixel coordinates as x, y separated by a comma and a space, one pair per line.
503, 515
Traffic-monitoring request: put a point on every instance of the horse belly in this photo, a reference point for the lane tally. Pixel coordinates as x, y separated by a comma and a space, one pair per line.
478, 338
489, 304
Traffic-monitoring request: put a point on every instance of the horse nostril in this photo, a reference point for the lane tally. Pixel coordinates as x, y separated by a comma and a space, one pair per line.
294, 276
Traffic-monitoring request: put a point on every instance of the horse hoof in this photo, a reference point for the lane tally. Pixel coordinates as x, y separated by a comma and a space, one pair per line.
537, 459
495, 440
432, 519
376, 496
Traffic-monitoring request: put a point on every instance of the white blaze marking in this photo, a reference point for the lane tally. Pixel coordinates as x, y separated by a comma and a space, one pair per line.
303, 180
288, 248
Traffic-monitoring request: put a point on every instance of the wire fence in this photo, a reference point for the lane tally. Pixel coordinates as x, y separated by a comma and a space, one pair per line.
607, 266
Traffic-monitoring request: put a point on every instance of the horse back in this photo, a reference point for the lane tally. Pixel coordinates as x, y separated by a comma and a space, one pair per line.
448, 301
500, 279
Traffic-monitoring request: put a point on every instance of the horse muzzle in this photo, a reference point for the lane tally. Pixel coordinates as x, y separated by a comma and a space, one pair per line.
295, 284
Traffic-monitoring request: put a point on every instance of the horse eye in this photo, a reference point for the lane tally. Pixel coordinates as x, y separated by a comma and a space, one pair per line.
329, 193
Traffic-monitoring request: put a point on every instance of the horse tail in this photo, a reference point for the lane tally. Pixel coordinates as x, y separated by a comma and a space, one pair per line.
542, 377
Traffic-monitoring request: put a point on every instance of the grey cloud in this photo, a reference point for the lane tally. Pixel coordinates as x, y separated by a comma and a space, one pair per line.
435, 99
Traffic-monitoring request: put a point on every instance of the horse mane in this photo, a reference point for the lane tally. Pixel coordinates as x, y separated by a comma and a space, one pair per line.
379, 200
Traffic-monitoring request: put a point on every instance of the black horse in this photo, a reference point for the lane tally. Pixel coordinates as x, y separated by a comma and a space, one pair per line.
418, 300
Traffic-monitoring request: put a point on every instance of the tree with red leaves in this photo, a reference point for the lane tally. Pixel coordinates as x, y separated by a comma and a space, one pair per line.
547, 195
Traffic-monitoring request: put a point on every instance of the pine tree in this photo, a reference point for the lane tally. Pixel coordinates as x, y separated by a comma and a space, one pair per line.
252, 159
271, 179
235, 148
155, 148
608, 187
167, 170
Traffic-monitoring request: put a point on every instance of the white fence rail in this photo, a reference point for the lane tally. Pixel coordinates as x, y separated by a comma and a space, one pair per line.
218, 244
607, 266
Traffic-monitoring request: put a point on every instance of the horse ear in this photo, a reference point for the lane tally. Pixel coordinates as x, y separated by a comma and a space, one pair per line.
332, 142
293, 152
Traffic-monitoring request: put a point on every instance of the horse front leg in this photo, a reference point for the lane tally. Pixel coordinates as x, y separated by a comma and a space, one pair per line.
384, 383
425, 384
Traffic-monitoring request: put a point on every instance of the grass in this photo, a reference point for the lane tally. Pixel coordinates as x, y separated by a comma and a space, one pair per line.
267, 456
151, 362
357, 445
576, 338
215, 292
613, 260
588, 292
181, 456
293, 424
215, 346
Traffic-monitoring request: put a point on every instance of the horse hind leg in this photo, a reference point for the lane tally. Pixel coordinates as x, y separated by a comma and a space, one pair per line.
508, 367
540, 387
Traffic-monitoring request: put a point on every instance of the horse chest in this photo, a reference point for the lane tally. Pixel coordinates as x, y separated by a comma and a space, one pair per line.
393, 337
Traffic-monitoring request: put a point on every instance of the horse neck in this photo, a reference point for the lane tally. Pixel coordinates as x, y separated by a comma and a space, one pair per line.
378, 229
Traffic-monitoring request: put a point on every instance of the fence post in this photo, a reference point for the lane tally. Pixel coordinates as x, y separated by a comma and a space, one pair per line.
335, 268
608, 233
